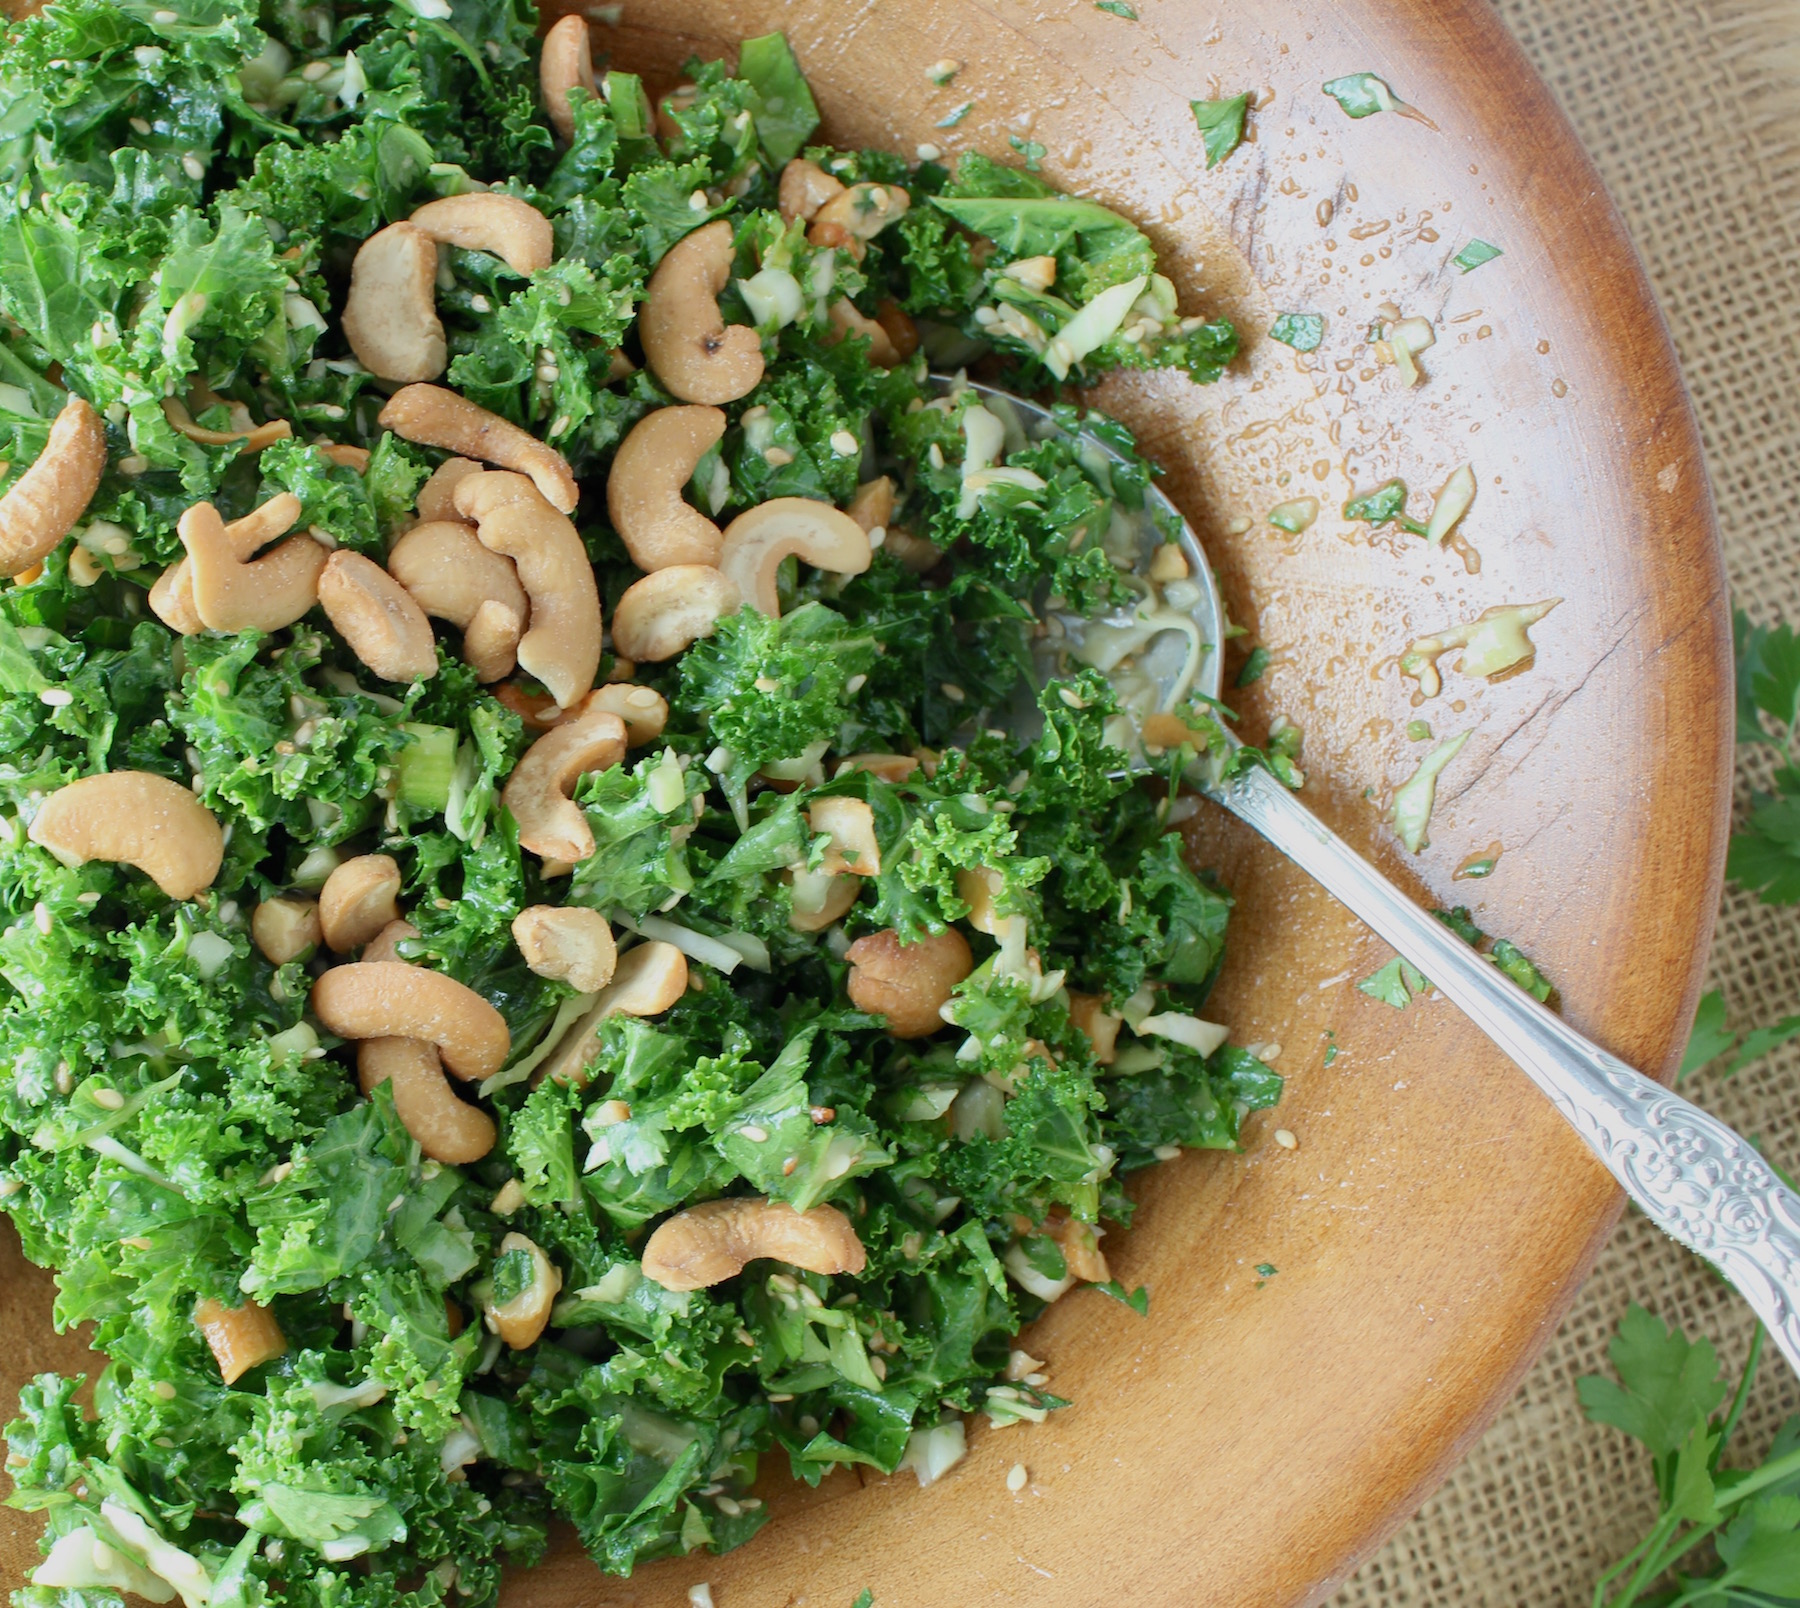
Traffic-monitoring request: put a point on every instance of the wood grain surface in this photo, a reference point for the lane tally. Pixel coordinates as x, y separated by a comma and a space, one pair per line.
1255, 1436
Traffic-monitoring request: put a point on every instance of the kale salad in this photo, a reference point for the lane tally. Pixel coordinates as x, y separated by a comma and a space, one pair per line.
537, 975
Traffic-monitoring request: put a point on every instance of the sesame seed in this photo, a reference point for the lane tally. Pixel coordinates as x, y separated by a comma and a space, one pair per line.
877, 536
549, 373
1286, 1140
953, 692
844, 444
766, 684
754, 1134
109, 1099
480, 304
698, 201
700, 1596
40, 915
1166, 1152
610, 1113
929, 152
728, 1506
878, 1368
56, 697
134, 463
140, 125
164, 1390
561, 425
788, 1166
777, 457
856, 683
1072, 698
193, 167
163, 18
1016, 1478
313, 71
935, 457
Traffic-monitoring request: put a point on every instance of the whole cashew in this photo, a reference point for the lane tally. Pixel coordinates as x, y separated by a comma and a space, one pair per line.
687, 343
434, 417
562, 647
134, 818
437, 497
1089, 1013
857, 216
447, 1128
566, 63
669, 610
285, 929
451, 576
643, 709
850, 824
391, 999
571, 943
359, 899
267, 594
804, 188
848, 319
240, 1338
45, 501
647, 980
490, 220
712, 1242
390, 316
172, 596
643, 491
907, 983
385, 945
378, 618
820, 898
521, 1320
551, 824
758, 540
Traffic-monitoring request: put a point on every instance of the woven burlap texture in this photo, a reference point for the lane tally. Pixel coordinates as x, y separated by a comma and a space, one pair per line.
1691, 108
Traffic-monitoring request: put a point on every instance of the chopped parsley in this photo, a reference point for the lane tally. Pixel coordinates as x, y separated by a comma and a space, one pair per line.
1419, 730
1138, 1300
1474, 254
1712, 1040
1221, 125
1302, 331
1385, 505
1397, 983
1764, 853
1034, 151
1254, 666
951, 118
1117, 8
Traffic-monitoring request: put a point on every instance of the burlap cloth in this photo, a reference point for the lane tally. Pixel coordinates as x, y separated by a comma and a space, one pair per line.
1691, 108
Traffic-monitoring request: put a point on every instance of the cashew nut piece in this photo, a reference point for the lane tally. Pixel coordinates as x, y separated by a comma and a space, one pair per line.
712, 1242
873, 509
1079, 1244
391, 999
359, 899
643, 709
385, 945
134, 818
551, 824
566, 63
570, 943
907, 983
240, 1338
54, 492
758, 540
390, 316
490, 220
848, 319
437, 497
521, 1320
251, 438
687, 343
448, 1129
267, 594
643, 490
647, 980
804, 188
285, 929
820, 898
378, 618
451, 576
434, 417
1089, 1013
891, 768
671, 609
345, 457
172, 596
850, 824
562, 647
857, 215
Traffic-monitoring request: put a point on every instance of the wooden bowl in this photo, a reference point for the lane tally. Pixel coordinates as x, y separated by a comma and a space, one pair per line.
1257, 1434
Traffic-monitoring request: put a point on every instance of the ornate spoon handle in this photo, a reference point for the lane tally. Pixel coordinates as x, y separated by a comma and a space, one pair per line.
1696, 1179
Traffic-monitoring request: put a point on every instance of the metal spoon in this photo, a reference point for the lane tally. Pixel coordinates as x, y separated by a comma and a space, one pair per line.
1697, 1180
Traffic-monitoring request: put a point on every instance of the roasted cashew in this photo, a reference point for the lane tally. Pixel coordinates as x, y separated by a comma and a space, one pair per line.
1079, 1245
45, 501
643, 709
435, 417
669, 610
854, 218
978, 886
566, 63
267, 594
241, 1338
647, 980
907, 983
490, 220
572, 944
891, 768
804, 188
1089, 1013
451, 576
134, 818
437, 497
172, 596
758, 540
820, 898
850, 824
873, 510
522, 1319
378, 618
849, 319
562, 647
712, 1242
385, 945
687, 343
643, 490
390, 316
448, 1129
550, 823
344, 457
252, 438
391, 999
359, 899
285, 929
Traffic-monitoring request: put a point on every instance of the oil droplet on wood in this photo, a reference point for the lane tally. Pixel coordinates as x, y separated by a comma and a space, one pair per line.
1459, 545
1324, 212
1559, 388
1479, 864
1543, 348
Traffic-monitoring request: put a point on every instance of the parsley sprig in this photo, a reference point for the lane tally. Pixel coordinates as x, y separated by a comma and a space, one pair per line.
1764, 855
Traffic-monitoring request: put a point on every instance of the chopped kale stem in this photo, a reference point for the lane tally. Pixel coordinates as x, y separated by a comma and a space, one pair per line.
344, 1373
